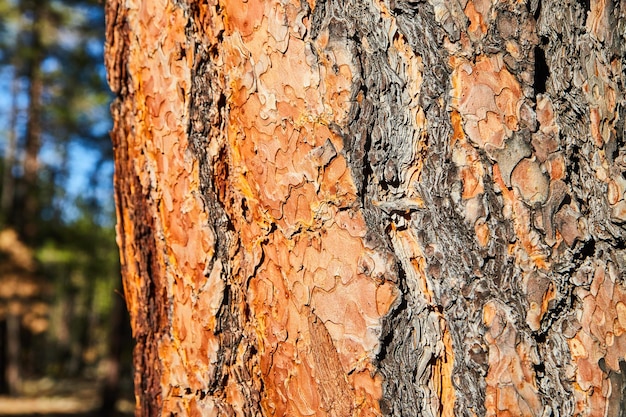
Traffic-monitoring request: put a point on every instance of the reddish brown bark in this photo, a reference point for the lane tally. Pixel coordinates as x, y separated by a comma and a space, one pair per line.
371, 208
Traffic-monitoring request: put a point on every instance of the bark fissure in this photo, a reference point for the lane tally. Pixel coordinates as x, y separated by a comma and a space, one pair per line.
208, 115
379, 143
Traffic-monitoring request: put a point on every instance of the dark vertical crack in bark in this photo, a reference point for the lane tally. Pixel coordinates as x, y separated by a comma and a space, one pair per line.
379, 145
450, 249
542, 71
208, 117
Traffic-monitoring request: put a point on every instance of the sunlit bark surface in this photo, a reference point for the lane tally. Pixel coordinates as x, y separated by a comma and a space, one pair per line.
372, 207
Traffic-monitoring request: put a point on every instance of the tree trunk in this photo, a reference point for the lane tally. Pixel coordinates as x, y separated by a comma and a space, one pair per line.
13, 368
26, 207
110, 390
8, 174
372, 208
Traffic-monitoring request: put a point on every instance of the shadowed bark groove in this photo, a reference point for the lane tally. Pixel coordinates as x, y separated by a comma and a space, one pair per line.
380, 146
208, 114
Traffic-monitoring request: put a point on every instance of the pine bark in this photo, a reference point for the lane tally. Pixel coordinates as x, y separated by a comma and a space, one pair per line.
372, 207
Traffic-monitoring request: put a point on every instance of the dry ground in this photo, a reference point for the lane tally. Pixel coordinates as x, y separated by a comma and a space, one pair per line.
74, 398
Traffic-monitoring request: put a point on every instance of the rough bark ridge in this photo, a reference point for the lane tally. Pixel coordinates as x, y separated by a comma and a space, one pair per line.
371, 207
384, 143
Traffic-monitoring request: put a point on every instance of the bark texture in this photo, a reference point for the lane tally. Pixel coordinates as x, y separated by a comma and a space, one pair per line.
372, 207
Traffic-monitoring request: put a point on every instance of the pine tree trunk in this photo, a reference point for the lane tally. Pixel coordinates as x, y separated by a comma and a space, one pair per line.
110, 390
26, 208
364, 207
7, 195
13, 367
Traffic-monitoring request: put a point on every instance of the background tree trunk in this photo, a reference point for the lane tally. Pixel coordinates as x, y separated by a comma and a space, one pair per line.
26, 208
13, 367
8, 174
369, 207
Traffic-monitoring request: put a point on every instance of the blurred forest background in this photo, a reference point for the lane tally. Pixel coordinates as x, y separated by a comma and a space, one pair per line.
63, 329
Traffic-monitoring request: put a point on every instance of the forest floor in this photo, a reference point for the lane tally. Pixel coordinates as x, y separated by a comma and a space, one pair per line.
71, 398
